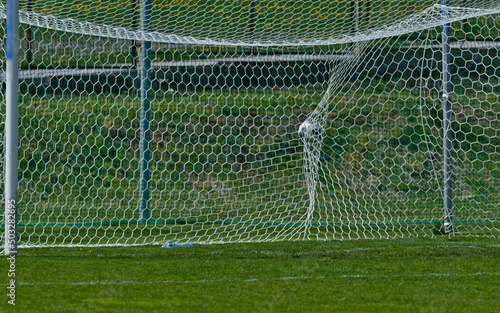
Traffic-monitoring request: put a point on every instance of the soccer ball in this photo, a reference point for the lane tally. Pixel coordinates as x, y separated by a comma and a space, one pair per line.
309, 129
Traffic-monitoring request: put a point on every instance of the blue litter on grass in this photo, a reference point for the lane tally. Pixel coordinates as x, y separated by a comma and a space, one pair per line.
177, 244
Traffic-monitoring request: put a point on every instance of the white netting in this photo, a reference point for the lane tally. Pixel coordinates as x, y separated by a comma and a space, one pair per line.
231, 82
394, 20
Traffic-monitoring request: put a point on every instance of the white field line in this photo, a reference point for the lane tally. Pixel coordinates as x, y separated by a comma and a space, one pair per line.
279, 252
444, 246
250, 280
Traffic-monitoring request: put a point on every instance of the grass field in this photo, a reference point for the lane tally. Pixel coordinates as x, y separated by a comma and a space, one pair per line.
412, 275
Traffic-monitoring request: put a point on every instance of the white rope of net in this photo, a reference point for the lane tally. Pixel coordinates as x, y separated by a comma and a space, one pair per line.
427, 18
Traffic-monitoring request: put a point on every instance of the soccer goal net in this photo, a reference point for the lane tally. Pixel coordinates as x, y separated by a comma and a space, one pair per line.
171, 121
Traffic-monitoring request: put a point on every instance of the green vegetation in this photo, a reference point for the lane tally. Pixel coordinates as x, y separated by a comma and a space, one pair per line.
227, 152
240, 20
232, 157
204, 146
410, 275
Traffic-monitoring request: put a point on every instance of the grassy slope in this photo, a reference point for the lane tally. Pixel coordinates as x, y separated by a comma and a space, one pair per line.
210, 154
78, 146
411, 275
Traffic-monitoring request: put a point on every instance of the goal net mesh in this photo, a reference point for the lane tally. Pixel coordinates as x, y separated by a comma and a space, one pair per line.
208, 150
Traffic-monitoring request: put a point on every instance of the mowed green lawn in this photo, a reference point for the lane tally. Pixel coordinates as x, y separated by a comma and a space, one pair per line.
408, 275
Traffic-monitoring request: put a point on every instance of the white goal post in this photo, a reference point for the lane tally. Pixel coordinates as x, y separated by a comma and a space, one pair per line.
146, 122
